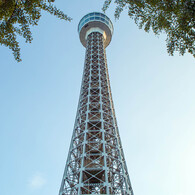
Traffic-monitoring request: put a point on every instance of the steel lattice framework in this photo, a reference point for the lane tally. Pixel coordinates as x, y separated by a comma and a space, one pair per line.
95, 163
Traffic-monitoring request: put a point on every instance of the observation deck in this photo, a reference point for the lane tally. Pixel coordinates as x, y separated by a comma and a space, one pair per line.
95, 22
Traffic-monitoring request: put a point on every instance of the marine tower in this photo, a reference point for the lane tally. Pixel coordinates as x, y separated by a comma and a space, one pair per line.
95, 163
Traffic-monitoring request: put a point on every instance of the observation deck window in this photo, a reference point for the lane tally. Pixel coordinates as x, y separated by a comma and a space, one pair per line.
87, 20
95, 17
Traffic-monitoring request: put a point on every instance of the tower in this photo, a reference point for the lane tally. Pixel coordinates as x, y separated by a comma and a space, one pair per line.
95, 163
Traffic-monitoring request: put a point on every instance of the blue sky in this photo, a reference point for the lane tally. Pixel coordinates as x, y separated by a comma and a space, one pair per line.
153, 95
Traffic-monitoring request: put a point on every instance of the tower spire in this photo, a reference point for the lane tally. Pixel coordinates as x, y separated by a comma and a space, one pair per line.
96, 163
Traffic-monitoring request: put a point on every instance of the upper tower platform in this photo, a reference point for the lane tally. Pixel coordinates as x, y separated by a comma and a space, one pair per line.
95, 22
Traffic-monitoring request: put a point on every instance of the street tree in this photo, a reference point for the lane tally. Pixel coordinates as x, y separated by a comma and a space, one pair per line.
16, 18
175, 18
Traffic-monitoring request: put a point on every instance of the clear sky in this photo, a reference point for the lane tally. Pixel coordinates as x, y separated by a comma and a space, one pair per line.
153, 95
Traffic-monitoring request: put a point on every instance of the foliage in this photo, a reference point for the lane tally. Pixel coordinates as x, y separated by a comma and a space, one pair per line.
174, 17
16, 17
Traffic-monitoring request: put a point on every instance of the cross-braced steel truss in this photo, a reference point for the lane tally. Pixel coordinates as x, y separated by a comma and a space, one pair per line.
95, 163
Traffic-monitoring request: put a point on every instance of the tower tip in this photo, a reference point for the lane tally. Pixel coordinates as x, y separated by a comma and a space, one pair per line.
95, 22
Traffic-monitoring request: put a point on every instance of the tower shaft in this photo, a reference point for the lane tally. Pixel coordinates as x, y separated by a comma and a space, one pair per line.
95, 163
